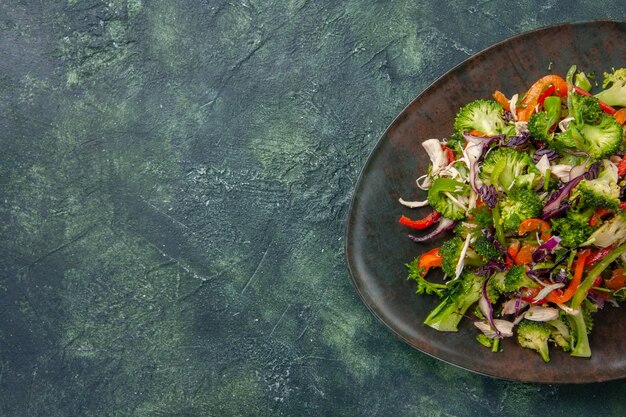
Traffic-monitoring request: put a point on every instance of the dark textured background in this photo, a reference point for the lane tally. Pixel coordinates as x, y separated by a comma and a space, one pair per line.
174, 182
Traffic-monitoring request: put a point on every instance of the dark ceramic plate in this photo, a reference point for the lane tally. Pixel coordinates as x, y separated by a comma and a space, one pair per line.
377, 246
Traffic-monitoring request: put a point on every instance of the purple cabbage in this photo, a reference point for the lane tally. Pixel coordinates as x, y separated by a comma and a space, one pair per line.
554, 206
443, 225
593, 171
561, 276
518, 302
549, 153
490, 268
517, 140
546, 249
497, 244
489, 195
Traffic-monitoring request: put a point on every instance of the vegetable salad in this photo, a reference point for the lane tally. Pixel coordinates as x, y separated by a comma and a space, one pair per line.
531, 190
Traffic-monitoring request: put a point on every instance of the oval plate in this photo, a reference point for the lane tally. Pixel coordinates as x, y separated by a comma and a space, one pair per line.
377, 247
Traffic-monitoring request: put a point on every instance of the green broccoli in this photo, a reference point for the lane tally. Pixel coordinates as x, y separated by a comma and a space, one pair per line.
449, 197
573, 229
481, 216
485, 116
506, 167
493, 287
485, 249
456, 142
582, 82
463, 292
599, 140
560, 333
611, 232
519, 204
462, 229
541, 123
450, 253
512, 280
615, 95
534, 335
589, 309
586, 109
602, 191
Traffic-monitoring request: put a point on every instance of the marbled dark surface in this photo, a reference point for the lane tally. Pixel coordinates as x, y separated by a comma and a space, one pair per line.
174, 183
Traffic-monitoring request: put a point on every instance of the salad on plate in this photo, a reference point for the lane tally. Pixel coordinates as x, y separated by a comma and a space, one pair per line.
531, 192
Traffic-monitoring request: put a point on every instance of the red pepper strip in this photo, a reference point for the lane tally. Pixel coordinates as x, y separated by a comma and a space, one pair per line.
429, 260
622, 205
421, 224
605, 107
448, 152
512, 251
560, 297
549, 91
620, 116
535, 225
617, 280
525, 255
597, 255
534, 92
597, 216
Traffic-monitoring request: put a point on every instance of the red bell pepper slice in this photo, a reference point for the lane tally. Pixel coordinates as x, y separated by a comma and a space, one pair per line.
535, 225
559, 297
423, 223
449, 153
428, 260
549, 91
597, 255
531, 98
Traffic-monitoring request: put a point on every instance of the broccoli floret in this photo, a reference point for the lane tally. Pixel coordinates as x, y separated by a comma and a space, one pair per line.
586, 109
481, 216
484, 340
611, 232
573, 229
506, 167
581, 81
560, 333
589, 309
602, 191
463, 292
485, 116
541, 123
615, 95
485, 249
519, 204
599, 140
449, 197
456, 142
423, 285
512, 280
462, 229
534, 335
450, 253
